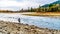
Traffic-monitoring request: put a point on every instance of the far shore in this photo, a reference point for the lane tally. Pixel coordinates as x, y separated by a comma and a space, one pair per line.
38, 13
43, 14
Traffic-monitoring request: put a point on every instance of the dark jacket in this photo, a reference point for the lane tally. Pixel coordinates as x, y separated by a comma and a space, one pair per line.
18, 19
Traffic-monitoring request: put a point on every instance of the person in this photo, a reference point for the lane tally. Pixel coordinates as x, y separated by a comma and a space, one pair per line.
19, 20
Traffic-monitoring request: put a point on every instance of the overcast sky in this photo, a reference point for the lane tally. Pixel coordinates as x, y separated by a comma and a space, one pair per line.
19, 4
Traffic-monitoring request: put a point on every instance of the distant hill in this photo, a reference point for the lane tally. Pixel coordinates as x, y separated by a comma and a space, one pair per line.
52, 7
51, 4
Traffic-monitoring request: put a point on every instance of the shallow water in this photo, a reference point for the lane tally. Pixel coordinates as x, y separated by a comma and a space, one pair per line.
44, 22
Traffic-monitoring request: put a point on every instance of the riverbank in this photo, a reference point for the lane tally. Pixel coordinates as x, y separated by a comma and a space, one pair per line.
19, 28
44, 14
38, 13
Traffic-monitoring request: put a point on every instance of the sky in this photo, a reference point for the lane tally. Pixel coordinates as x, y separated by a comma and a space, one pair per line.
19, 4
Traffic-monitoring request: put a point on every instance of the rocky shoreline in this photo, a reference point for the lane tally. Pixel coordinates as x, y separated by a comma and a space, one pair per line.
19, 28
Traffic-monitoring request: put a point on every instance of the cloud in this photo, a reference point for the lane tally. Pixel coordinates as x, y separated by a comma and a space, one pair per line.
13, 4
19, 4
23, 4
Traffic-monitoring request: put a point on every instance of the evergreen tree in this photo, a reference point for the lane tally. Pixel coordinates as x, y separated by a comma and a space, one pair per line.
31, 9
39, 8
28, 9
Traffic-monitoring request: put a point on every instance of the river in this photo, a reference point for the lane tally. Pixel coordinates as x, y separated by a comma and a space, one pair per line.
39, 21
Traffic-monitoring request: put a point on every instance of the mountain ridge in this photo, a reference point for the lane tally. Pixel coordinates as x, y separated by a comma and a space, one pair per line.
47, 5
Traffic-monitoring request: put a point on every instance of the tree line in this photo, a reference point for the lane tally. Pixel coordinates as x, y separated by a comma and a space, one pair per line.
50, 8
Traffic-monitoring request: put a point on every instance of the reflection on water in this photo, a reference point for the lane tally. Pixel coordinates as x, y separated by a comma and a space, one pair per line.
52, 23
